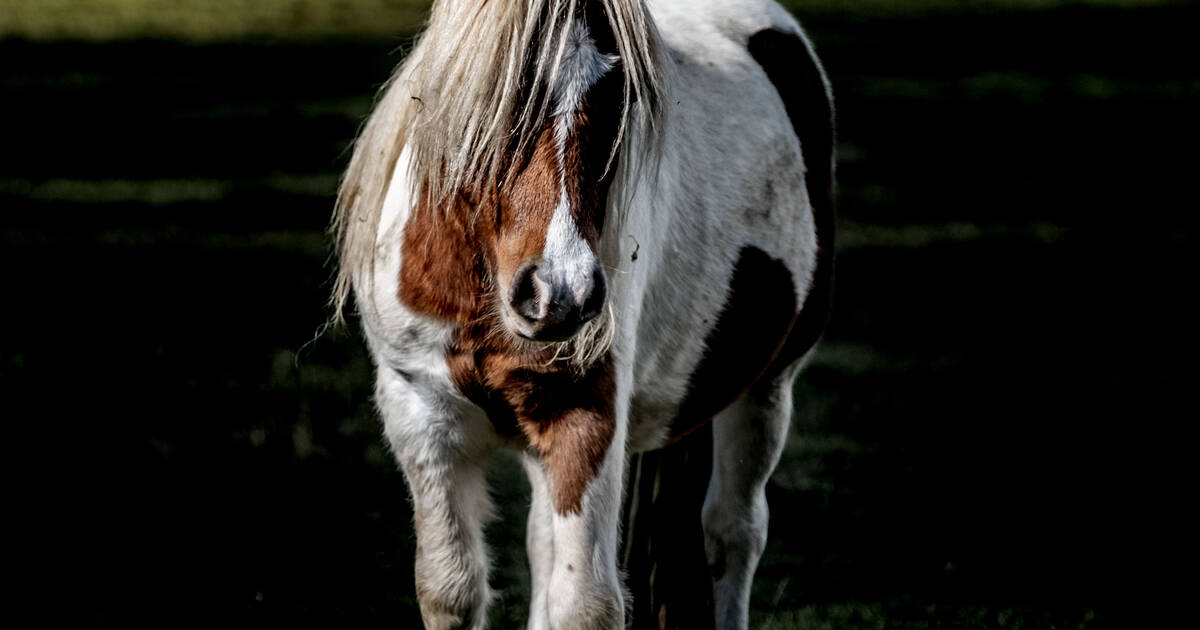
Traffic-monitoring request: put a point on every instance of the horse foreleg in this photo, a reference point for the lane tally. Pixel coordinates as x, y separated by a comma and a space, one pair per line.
579, 557
539, 543
748, 438
442, 450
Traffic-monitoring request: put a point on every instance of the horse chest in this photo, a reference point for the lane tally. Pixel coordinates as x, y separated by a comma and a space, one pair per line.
440, 332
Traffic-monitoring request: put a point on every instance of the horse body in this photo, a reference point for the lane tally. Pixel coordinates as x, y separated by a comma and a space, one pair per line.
583, 309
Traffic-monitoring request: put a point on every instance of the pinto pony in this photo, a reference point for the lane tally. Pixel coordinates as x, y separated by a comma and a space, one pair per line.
584, 229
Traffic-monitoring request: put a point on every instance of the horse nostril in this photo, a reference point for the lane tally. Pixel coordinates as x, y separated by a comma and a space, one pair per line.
551, 306
594, 303
528, 297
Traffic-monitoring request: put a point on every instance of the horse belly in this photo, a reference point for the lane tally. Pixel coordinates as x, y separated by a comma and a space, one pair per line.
694, 372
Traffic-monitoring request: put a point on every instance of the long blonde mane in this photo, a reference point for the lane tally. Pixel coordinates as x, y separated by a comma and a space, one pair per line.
461, 102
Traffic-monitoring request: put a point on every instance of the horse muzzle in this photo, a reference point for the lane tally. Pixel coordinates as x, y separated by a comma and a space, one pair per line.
551, 302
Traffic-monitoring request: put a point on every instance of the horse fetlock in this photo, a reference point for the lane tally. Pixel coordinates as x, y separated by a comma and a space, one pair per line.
735, 532
733, 547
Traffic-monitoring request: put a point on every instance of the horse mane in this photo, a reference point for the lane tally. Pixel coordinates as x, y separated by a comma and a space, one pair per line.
471, 93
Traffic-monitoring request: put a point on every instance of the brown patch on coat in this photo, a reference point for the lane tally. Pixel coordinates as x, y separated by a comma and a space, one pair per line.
524, 208
457, 262
569, 418
450, 255
758, 314
794, 72
566, 415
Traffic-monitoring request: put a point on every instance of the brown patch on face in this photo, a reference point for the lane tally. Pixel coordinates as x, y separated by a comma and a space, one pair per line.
523, 209
750, 332
456, 264
795, 74
451, 254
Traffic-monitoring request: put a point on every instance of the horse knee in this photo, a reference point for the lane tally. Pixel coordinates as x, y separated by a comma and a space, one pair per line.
451, 600
580, 605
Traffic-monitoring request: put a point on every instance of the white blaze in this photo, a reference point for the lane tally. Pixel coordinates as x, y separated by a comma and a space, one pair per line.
568, 256
569, 259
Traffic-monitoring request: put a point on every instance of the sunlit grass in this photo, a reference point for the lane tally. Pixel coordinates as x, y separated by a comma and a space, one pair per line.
153, 192
208, 20
893, 7
216, 20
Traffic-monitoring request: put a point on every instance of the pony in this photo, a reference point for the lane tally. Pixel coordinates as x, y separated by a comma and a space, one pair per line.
583, 229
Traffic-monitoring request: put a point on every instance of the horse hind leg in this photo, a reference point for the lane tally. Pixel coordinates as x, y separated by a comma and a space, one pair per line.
748, 439
443, 457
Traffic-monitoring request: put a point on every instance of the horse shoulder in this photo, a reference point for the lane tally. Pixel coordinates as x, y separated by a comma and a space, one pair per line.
408, 339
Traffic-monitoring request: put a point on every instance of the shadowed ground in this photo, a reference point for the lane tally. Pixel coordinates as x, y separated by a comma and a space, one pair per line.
986, 438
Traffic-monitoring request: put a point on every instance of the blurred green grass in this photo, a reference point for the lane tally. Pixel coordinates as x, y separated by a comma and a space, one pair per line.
226, 20
207, 20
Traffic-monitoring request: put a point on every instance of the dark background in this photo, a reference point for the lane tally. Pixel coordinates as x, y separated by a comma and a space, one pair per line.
992, 435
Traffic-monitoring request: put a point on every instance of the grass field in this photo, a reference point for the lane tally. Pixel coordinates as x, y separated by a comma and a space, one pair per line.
223, 20
993, 399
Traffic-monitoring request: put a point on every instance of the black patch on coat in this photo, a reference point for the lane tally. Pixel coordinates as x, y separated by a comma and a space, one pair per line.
752, 328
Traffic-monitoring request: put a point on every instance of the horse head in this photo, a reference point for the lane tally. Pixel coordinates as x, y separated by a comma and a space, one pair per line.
541, 227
